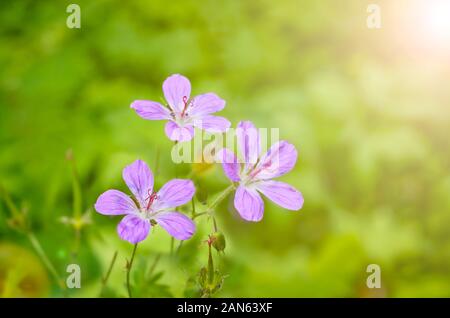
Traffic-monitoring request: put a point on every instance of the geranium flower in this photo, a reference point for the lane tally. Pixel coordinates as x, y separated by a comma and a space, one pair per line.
147, 208
256, 173
183, 113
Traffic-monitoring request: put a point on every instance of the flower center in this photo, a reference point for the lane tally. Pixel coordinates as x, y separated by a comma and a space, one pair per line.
186, 104
151, 197
254, 171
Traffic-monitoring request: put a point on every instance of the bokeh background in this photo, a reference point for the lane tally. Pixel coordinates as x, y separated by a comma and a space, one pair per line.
368, 110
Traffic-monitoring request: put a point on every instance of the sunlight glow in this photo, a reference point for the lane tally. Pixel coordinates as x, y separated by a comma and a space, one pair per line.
436, 20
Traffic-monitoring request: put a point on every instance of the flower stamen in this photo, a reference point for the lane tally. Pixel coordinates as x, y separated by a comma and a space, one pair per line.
151, 197
254, 172
185, 102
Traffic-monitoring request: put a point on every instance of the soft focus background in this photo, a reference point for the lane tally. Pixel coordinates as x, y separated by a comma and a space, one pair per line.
368, 110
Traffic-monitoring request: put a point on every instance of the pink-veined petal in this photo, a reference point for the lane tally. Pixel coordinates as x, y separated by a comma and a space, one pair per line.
249, 204
114, 202
282, 194
213, 124
176, 224
139, 179
231, 166
248, 142
177, 90
280, 159
133, 229
177, 133
150, 110
174, 193
206, 104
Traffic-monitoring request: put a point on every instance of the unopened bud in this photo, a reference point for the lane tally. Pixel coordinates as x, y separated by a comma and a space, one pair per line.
218, 241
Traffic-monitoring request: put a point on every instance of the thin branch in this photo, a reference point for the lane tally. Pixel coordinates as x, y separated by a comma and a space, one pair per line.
108, 273
129, 265
155, 262
43, 256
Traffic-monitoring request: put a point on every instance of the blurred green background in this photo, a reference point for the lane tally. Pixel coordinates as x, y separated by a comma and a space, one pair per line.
368, 110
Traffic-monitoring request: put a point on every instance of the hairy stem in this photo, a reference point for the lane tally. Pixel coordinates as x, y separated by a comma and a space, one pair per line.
76, 244
44, 258
25, 229
199, 214
210, 266
217, 200
155, 262
193, 208
214, 224
172, 244
76, 187
129, 265
221, 196
77, 198
9, 203
105, 279
179, 247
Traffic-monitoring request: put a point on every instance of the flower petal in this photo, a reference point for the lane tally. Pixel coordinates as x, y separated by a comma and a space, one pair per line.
177, 133
248, 142
213, 124
282, 194
206, 104
133, 229
280, 159
150, 110
249, 204
139, 180
230, 164
114, 202
177, 90
176, 224
174, 193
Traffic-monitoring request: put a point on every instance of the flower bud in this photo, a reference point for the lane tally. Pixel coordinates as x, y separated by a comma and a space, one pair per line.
218, 241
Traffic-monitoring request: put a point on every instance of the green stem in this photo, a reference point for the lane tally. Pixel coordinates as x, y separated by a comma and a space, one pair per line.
105, 279
155, 262
76, 245
210, 266
129, 265
172, 244
200, 214
193, 208
76, 187
16, 213
77, 198
214, 224
218, 199
194, 215
179, 247
190, 175
221, 196
40, 251
9, 203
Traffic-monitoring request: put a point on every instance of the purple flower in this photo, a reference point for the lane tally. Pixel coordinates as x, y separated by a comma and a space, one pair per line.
182, 112
147, 208
256, 173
